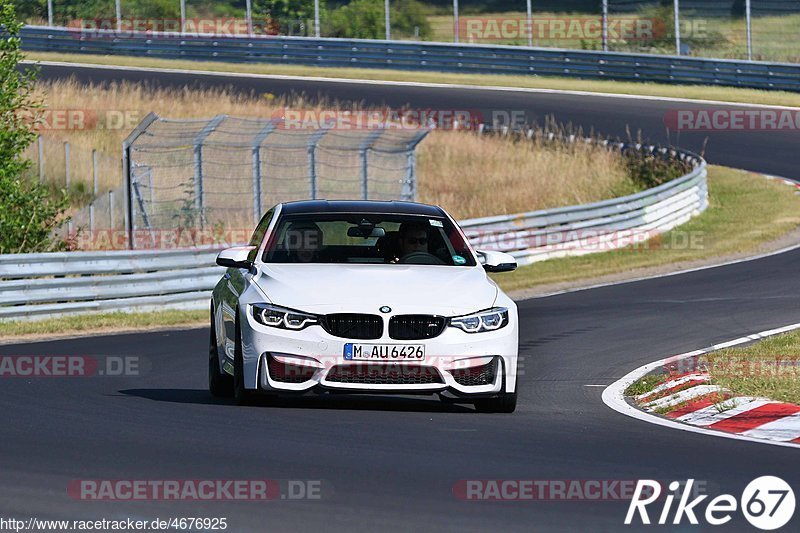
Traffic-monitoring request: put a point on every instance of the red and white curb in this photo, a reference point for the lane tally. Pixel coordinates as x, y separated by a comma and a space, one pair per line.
701, 407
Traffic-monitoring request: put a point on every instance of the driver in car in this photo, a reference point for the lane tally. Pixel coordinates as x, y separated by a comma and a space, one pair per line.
413, 237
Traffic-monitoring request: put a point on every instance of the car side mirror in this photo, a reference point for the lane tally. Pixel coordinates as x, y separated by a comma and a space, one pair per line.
497, 261
236, 257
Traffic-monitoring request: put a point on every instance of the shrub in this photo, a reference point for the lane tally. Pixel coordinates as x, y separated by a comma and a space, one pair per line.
28, 215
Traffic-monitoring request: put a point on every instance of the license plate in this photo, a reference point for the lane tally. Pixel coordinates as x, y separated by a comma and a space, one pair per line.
384, 352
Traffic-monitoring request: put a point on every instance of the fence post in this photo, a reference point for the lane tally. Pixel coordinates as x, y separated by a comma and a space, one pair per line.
387, 20
749, 22
126, 173
530, 22
409, 191
365, 146
111, 210
118, 10
66, 164
50, 13
249, 15
455, 21
312, 161
199, 203
41, 158
605, 25
259, 138
94, 191
316, 19
677, 27
183, 15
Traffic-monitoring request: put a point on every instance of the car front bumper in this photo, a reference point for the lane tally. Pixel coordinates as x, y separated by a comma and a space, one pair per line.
456, 362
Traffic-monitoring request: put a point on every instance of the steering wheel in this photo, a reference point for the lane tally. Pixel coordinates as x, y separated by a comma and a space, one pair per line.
421, 258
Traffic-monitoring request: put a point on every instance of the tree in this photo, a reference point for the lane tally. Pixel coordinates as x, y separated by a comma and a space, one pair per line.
28, 216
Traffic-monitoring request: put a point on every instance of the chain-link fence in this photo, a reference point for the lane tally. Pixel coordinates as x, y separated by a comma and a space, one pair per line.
223, 173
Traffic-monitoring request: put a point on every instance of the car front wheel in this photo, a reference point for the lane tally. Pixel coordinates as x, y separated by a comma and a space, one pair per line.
220, 385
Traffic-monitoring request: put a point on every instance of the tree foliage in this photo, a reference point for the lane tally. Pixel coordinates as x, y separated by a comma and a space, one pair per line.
28, 215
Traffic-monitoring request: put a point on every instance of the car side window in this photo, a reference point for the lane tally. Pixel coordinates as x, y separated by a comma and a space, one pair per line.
258, 234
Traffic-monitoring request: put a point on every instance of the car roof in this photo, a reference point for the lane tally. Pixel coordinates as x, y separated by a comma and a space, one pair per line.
360, 206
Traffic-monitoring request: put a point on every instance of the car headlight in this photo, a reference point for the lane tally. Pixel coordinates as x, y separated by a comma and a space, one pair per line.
281, 317
488, 320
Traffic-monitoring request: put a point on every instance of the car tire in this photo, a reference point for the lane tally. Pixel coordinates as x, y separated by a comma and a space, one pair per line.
505, 402
220, 385
241, 395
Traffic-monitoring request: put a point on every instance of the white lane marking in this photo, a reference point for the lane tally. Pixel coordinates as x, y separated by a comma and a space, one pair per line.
498, 88
674, 383
711, 414
783, 429
614, 395
682, 396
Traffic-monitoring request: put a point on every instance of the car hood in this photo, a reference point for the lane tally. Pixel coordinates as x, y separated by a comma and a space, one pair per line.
322, 289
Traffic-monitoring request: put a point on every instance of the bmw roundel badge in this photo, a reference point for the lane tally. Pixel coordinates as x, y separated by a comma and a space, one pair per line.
385, 309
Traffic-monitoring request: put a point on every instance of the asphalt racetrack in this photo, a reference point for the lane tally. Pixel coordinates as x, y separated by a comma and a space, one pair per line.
389, 463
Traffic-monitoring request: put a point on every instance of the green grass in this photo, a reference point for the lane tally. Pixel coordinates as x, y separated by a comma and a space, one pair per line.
644, 384
770, 368
102, 322
724, 94
745, 211
767, 369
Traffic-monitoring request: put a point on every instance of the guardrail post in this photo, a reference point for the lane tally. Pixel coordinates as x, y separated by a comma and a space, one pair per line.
259, 138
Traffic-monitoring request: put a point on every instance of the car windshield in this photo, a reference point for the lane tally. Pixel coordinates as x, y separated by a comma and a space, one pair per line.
367, 238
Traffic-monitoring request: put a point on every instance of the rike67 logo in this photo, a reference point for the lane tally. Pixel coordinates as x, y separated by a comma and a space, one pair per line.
767, 503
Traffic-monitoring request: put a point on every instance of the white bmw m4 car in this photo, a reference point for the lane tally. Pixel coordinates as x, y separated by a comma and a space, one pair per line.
363, 297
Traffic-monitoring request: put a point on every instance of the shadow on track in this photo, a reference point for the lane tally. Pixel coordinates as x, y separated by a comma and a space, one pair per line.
327, 401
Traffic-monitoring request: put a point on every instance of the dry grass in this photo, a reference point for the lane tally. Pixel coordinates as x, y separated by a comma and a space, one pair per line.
475, 176
454, 168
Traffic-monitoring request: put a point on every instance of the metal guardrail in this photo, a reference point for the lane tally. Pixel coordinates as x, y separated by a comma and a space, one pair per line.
41, 285
464, 58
